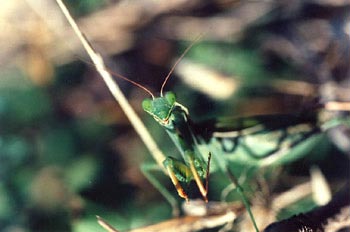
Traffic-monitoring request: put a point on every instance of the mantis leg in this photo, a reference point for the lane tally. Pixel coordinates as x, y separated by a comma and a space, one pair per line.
147, 170
197, 178
225, 170
178, 172
240, 191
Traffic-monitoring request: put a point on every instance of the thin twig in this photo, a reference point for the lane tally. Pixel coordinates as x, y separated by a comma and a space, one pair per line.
116, 92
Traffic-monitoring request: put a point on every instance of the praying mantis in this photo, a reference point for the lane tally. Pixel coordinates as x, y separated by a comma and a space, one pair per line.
233, 143
252, 141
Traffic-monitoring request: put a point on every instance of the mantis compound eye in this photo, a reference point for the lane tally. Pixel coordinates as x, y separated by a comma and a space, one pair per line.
147, 105
170, 97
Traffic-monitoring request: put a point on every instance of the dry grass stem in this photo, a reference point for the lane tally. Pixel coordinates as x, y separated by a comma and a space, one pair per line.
105, 225
115, 90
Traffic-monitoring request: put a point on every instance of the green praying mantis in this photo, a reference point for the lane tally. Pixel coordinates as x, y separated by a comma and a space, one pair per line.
254, 141
174, 118
251, 141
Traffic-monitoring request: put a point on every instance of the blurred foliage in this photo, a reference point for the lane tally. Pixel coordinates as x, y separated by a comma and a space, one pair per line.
67, 152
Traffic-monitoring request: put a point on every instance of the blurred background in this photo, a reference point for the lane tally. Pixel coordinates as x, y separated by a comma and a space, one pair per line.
67, 151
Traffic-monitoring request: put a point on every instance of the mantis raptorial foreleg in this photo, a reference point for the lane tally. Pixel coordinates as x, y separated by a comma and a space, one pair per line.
180, 172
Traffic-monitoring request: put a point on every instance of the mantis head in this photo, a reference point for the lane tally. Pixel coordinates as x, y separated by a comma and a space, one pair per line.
161, 107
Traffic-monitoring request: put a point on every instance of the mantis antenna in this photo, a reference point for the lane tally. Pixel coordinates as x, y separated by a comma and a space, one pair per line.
131, 81
177, 62
124, 78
